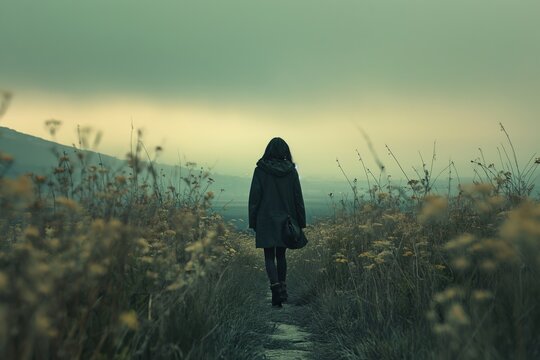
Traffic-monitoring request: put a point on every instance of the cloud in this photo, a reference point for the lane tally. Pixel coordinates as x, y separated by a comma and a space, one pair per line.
234, 136
279, 51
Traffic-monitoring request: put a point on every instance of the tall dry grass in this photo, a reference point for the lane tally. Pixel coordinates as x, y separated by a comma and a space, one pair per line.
114, 263
404, 273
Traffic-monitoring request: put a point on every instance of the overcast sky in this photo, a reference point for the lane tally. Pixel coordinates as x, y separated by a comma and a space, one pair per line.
216, 80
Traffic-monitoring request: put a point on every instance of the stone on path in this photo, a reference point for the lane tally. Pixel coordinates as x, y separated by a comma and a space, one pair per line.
288, 340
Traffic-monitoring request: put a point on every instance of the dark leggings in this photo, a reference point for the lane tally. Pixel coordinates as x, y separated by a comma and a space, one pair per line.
275, 274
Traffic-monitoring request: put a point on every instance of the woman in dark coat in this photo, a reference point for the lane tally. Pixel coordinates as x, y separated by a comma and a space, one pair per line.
275, 193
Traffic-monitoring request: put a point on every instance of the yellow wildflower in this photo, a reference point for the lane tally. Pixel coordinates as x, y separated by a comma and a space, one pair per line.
488, 265
97, 269
460, 242
4, 281
433, 208
129, 319
481, 295
31, 232
366, 254
457, 315
43, 323
460, 263
169, 233
68, 204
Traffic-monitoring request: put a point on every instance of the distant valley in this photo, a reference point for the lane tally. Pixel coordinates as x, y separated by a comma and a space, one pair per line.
36, 155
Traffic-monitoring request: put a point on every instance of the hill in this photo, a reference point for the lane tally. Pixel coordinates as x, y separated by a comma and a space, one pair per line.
37, 155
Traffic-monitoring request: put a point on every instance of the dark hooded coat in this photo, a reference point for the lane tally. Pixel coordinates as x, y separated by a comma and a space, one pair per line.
275, 192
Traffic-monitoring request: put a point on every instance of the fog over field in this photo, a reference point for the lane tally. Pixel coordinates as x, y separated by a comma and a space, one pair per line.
216, 81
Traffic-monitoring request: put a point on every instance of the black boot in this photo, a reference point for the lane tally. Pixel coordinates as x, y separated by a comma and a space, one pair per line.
283, 294
276, 294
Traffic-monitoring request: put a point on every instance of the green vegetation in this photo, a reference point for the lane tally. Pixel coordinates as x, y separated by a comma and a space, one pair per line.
409, 274
103, 263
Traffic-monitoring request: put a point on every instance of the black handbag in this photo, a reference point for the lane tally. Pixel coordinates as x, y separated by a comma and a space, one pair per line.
293, 236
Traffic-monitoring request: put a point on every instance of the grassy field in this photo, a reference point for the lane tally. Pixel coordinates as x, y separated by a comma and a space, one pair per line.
119, 266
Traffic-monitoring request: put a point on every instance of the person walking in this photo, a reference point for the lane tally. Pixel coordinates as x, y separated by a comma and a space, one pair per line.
275, 193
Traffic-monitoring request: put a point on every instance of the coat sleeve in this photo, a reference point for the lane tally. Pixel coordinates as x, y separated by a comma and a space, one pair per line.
299, 202
255, 194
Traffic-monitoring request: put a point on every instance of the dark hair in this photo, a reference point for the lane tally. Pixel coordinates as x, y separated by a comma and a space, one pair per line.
277, 148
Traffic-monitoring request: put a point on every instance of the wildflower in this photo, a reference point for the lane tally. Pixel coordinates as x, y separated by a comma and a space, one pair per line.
129, 319
456, 314
178, 284
169, 233
523, 222
121, 180
433, 208
482, 189
448, 294
4, 281
482, 206
21, 187
143, 244
31, 232
209, 195
442, 329
43, 324
69, 204
500, 249
190, 266
384, 253
431, 315
488, 265
40, 179
496, 201
481, 295
365, 227
460, 242
44, 288
460, 263
366, 254
6, 157
195, 247
97, 269
147, 259
381, 243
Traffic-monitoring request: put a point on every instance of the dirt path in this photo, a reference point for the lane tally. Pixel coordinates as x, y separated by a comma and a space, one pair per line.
288, 339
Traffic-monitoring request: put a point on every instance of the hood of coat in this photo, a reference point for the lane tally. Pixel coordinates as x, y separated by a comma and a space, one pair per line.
276, 167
